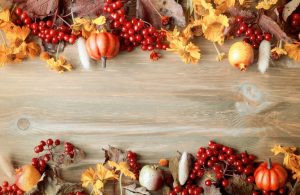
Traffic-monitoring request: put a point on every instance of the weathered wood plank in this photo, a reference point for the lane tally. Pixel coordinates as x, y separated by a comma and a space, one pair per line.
154, 108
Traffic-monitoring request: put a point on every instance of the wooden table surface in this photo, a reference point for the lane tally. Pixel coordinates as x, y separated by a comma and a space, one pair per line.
153, 108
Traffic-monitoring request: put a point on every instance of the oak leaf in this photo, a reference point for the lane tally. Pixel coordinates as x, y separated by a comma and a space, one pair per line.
293, 50
60, 65
41, 8
266, 4
134, 190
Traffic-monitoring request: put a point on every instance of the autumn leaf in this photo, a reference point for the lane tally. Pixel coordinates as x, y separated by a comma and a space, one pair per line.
223, 5
266, 4
97, 178
41, 8
136, 190
85, 26
202, 7
189, 53
213, 27
115, 154
290, 161
5, 15
293, 50
60, 65
123, 167
99, 21
289, 8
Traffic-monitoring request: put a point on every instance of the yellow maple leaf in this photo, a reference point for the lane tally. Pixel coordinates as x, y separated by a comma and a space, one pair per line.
88, 177
123, 167
266, 4
104, 174
293, 50
33, 49
60, 65
189, 53
279, 51
83, 26
193, 28
99, 21
213, 27
223, 5
97, 178
202, 7
5, 15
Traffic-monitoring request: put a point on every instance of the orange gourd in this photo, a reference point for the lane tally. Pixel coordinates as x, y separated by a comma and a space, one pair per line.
103, 45
270, 176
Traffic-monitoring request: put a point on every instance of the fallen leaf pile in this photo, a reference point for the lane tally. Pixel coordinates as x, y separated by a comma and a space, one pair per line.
15, 47
291, 160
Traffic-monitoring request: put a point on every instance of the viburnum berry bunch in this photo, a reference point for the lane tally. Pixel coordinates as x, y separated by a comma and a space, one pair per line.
133, 164
49, 151
47, 30
220, 162
7, 189
134, 32
254, 35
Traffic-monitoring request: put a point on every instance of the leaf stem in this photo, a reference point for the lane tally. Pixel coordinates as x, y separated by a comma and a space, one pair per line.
57, 49
215, 46
120, 182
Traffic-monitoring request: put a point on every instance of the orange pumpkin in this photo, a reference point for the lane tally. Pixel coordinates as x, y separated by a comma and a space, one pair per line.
103, 45
270, 176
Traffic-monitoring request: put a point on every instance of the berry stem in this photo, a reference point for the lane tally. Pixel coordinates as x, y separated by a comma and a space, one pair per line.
64, 21
155, 8
218, 51
120, 182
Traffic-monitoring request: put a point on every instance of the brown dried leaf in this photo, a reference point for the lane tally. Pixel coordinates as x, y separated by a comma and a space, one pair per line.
134, 190
238, 185
173, 166
269, 25
50, 184
289, 8
41, 8
146, 10
88, 8
115, 154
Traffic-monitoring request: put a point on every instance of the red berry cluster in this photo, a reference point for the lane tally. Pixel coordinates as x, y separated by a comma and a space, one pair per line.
48, 149
133, 32
46, 30
187, 190
7, 189
133, 164
254, 35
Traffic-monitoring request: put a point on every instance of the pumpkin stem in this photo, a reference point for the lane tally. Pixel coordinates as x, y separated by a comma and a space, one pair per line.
269, 166
103, 59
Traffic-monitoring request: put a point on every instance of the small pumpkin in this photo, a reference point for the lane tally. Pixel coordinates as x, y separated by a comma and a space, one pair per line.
103, 45
270, 176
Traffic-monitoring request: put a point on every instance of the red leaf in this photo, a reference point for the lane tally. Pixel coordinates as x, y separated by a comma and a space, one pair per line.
41, 8
88, 7
147, 10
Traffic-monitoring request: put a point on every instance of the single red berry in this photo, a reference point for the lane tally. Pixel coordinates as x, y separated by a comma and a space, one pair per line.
225, 183
5, 184
42, 143
42, 163
49, 23
19, 192
18, 11
250, 179
49, 142
27, 20
239, 19
268, 37
24, 15
177, 189
57, 142
208, 182
35, 161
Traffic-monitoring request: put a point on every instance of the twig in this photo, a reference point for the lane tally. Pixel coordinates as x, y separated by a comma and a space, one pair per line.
58, 46
154, 8
64, 21
120, 182
219, 53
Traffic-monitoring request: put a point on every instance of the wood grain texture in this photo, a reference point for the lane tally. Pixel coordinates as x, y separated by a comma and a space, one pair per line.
153, 108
